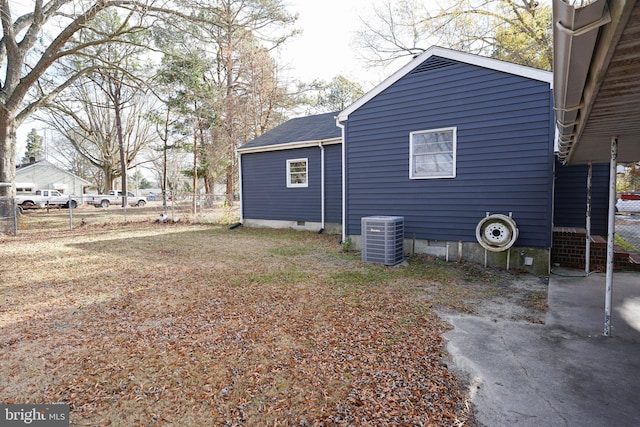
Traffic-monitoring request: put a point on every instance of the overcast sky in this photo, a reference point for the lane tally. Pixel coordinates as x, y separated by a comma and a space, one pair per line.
325, 48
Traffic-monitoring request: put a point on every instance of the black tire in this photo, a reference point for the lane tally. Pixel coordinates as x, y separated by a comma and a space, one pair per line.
28, 203
141, 203
73, 204
105, 204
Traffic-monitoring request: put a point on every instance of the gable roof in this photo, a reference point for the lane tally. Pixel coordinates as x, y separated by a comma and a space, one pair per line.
468, 58
297, 133
25, 168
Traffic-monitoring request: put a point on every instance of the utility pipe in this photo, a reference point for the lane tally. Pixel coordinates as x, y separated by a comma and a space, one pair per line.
240, 186
322, 199
344, 182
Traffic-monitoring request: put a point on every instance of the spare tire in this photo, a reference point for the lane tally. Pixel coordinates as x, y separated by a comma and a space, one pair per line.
497, 232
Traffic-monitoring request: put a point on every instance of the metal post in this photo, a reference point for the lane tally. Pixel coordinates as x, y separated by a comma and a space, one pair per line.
587, 244
15, 215
610, 235
70, 214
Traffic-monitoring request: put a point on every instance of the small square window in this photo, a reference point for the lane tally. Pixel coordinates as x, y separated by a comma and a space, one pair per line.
297, 173
432, 154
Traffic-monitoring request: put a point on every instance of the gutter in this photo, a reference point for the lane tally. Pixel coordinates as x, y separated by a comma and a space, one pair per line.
575, 34
289, 145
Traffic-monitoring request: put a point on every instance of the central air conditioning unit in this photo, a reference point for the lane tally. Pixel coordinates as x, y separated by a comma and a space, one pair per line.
383, 239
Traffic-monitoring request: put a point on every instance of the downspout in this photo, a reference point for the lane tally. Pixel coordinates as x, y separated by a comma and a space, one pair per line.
322, 190
344, 184
239, 156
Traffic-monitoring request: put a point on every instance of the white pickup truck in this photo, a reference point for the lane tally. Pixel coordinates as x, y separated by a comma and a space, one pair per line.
46, 198
114, 197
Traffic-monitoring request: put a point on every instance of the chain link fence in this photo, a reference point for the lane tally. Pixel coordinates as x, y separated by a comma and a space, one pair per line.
628, 222
8, 215
214, 209
204, 209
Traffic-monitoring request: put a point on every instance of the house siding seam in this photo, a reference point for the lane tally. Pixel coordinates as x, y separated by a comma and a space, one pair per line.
265, 195
504, 154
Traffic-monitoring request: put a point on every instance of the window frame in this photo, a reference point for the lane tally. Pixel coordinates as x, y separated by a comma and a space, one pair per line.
306, 172
454, 131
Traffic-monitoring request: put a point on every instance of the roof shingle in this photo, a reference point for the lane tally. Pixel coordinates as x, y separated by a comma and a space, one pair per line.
300, 129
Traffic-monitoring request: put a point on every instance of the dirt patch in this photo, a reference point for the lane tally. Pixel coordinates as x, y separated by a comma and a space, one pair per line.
495, 294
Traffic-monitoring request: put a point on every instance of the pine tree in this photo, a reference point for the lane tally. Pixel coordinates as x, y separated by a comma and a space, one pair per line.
33, 151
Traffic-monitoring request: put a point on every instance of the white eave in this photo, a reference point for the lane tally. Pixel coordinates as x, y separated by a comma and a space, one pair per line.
289, 145
480, 61
597, 80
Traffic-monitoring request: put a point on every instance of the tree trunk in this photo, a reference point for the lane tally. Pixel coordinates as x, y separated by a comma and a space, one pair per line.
7, 153
109, 177
230, 180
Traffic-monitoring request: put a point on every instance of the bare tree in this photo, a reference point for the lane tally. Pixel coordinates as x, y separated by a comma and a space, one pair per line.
338, 94
239, 27
513, 30
86, 117
34, 42
225, 76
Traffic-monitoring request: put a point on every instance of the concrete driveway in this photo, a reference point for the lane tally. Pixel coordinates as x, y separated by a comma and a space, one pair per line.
563, 372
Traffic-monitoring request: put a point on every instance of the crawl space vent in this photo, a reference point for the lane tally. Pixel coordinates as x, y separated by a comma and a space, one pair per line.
383, 239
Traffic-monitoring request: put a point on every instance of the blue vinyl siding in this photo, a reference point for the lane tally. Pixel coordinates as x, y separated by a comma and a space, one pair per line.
265, 194
504, 154
570, 206
333, 183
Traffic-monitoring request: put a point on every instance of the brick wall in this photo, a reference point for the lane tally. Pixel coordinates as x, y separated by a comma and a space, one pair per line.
568, 250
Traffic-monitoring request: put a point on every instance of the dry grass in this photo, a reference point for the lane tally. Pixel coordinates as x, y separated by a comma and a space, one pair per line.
156, 324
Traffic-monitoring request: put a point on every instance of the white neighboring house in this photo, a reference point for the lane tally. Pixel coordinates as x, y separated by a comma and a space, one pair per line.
45, 175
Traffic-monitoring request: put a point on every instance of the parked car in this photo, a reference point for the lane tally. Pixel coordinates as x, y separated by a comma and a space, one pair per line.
628, 202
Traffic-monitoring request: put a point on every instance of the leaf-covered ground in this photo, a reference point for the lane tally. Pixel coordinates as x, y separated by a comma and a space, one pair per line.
156, 324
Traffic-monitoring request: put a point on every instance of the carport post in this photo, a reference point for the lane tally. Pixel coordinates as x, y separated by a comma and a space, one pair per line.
587, 251
611, 234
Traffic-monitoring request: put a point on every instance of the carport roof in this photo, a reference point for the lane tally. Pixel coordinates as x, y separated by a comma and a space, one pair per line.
597, 80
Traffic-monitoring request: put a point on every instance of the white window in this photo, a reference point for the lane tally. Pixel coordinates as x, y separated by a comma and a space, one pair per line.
432, 153
297, 173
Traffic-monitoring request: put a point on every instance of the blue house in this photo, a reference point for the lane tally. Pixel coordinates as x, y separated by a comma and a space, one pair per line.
291, 176
446, 141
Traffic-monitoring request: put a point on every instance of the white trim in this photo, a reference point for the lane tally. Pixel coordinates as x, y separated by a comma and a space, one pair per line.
295, 185
454, 149
289, 145
481, 61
